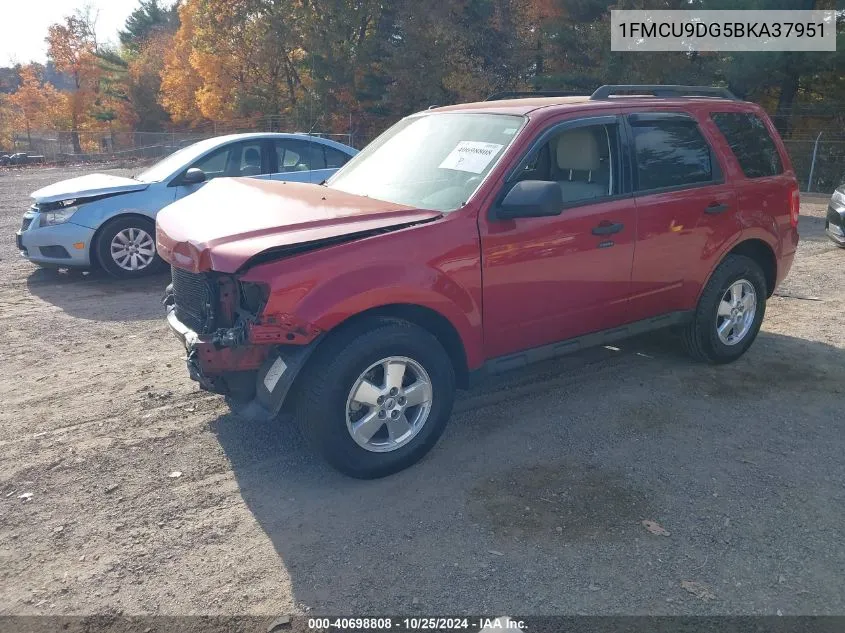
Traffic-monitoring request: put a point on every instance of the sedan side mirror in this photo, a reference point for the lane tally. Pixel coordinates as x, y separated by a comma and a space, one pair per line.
531, 199
193, 176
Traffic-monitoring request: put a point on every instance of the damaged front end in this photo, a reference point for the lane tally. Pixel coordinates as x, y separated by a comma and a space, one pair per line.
231, 348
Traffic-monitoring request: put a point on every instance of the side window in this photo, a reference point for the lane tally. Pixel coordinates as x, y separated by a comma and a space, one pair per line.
335, 158
751, 143
583, 161
292, 155
239, 159
670, 153
316, 158
248, 161
214, 165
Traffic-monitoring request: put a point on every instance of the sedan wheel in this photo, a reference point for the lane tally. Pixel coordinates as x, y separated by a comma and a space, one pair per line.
125, 247
133, 249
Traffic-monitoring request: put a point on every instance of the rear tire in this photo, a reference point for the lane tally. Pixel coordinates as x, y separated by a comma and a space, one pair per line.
348, 410
125, 247
729, 312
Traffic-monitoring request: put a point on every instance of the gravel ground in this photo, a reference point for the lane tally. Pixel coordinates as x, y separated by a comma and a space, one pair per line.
532, 502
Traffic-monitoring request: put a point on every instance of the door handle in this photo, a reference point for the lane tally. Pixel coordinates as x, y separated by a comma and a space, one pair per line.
716, 208
608, 228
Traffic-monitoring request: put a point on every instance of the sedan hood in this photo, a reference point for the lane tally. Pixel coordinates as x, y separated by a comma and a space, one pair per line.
87, 187
231, 220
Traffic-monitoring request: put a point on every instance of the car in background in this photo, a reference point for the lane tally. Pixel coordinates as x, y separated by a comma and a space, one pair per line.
108, 220
18, 158
834, 224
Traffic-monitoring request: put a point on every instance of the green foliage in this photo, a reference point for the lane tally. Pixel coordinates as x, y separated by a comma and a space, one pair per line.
150, 17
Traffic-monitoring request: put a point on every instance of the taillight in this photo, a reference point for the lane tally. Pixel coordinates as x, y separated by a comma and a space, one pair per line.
794, 206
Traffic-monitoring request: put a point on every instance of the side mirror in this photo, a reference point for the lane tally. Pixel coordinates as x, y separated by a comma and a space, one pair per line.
531, 199
193, 176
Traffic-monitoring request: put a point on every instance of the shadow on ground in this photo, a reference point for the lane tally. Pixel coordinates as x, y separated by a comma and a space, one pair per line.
533, 500
97, 296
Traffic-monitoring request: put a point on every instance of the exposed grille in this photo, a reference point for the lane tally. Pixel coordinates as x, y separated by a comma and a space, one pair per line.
833, 217
194, 297
26, 223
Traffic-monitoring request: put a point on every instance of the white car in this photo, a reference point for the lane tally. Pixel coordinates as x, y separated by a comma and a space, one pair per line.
109, 221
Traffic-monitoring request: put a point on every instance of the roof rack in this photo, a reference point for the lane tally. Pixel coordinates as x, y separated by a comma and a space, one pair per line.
526, 94
605, 92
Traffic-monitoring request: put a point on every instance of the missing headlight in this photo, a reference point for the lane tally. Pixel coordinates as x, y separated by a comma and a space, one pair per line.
253, 296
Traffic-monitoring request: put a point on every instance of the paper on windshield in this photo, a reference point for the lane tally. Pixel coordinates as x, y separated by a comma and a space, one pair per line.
471, 156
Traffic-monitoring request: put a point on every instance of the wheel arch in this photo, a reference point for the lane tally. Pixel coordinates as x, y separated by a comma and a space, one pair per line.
92, 247
763, 254
434, 322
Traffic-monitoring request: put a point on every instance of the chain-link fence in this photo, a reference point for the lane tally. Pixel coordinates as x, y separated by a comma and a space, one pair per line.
815, 138
106, 145
819, 163
816, 144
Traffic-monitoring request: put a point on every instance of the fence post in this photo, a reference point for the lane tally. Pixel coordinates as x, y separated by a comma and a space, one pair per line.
813, 164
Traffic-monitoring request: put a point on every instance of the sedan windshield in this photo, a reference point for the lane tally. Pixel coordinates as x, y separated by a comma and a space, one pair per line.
433, 161
177, 160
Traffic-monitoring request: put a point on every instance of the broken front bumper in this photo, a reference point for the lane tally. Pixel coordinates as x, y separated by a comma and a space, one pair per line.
255, 378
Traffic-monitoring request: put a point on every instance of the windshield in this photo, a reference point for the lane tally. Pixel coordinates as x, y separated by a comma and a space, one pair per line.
177, 160
433, 161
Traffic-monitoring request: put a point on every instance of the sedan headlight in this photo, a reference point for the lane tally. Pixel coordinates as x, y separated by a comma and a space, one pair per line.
838, 197
59, 216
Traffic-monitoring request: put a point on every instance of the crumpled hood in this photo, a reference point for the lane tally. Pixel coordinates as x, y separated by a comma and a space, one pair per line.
231, 220
87, 186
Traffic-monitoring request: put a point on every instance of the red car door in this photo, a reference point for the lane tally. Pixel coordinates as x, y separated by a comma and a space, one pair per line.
546, 279
685, 210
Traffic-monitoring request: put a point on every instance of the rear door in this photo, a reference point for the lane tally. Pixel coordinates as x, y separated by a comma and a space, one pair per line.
685, 208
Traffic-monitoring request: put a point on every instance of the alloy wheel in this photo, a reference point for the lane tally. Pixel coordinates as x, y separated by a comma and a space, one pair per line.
133, 249
389, 404
736, 311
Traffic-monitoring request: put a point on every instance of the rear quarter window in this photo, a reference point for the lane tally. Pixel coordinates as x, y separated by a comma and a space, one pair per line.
750, 142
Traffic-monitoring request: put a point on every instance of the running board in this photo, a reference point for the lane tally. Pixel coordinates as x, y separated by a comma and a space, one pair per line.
569, 346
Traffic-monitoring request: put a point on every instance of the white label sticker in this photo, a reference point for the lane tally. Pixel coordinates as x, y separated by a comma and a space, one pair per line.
471, 156
274, 373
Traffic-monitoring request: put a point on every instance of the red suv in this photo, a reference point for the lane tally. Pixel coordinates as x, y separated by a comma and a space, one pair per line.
479, 238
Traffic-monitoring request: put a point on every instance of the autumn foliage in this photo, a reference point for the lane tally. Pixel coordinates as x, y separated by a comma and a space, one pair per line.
356, 65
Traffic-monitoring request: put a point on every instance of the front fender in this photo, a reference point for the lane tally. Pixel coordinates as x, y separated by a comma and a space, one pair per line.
331, 301
147, 203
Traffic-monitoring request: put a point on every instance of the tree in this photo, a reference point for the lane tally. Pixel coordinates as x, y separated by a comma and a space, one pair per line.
179, 81
33, 104
146, 22
72, 47
144, 81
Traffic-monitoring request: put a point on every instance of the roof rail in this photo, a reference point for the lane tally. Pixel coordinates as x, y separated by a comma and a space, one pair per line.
605, 92
527, 94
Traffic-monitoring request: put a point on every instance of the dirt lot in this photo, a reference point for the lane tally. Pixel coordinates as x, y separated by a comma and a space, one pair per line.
532, 502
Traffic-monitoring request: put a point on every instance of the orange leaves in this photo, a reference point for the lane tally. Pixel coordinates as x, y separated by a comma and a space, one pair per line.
34, 105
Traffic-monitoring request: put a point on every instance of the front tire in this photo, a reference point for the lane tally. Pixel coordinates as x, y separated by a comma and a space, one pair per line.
126, 249
376, 397
729, 312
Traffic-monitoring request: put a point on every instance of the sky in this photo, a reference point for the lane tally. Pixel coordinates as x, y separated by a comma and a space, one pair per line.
23, 24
